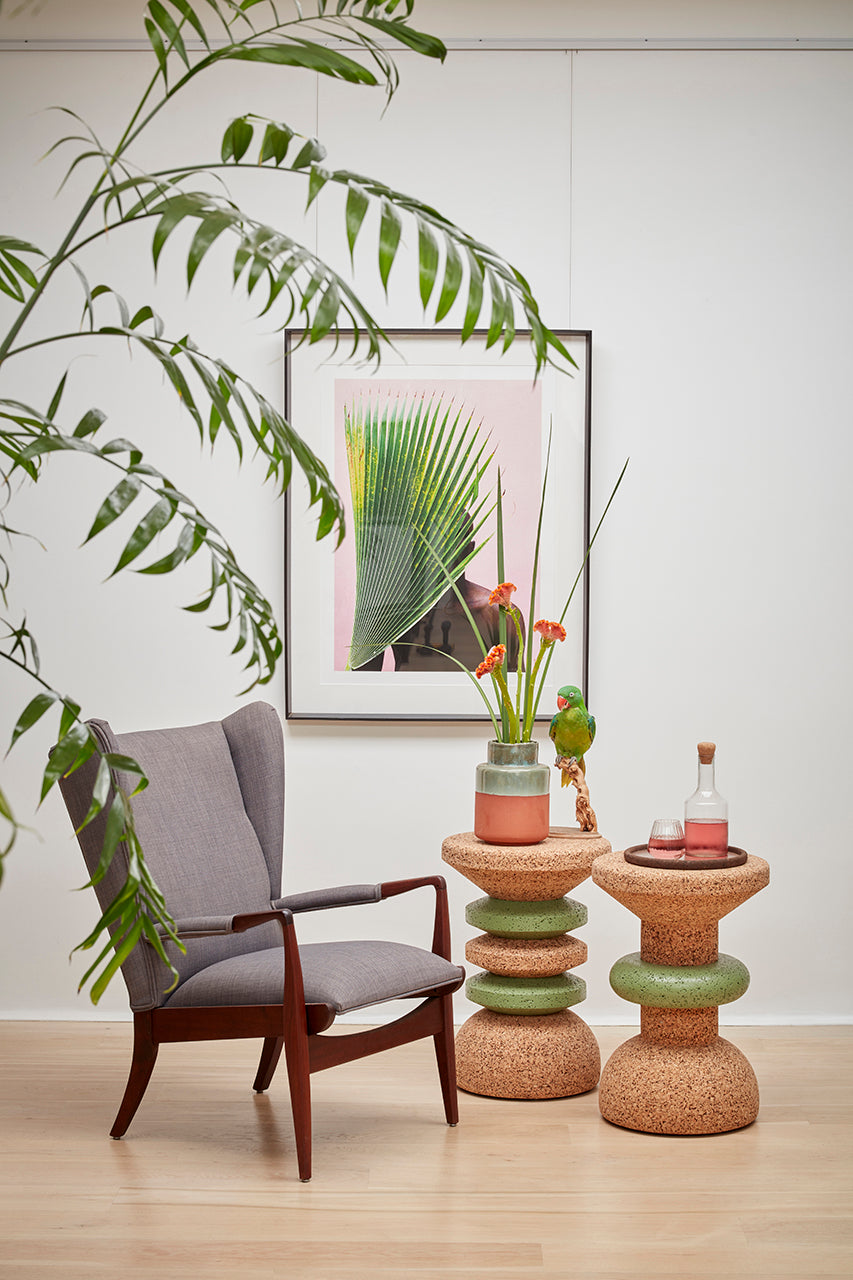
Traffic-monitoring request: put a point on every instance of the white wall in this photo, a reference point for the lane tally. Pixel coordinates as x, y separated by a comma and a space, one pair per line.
692, 208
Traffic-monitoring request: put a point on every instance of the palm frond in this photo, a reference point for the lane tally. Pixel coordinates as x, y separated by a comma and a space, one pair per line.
415, 469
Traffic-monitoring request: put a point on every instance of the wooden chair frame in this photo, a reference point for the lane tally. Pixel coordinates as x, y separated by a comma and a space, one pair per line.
296, 1027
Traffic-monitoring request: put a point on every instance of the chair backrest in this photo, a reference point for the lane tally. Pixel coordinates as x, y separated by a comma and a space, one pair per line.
211, 824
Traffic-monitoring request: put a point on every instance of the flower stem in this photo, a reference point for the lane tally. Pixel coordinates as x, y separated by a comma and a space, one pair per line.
503, 691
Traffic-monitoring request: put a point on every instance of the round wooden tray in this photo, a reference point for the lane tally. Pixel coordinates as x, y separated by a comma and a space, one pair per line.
640, 856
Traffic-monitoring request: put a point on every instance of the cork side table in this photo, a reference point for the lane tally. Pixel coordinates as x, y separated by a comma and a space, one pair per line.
678, 1076
526, 1042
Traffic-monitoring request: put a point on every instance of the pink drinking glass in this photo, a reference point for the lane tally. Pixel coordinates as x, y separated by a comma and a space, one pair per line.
667, 838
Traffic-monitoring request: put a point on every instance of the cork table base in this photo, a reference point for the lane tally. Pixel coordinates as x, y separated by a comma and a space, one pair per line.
501, 1055
677, 1076
526, 1042
658, 1088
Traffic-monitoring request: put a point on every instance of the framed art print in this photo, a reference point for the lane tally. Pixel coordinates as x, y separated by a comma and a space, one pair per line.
375, 629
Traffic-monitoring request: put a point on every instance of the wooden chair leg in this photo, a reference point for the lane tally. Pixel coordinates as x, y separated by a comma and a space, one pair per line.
299, 1079
270, 1055
445, 1053
141, 1066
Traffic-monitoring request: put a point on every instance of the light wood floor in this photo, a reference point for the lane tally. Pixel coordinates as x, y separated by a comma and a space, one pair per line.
205, 1185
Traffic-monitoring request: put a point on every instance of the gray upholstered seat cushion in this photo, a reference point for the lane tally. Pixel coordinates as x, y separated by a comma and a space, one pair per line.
345, 975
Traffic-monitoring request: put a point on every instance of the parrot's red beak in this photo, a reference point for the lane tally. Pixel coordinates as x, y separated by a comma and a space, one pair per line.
561, 702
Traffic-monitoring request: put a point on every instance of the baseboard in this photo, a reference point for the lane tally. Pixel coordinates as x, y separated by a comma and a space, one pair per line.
387, 1014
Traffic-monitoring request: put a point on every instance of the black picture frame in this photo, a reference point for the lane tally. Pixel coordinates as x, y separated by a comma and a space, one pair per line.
308, 371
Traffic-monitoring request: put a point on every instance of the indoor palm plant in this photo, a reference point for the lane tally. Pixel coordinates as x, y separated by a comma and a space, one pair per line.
348, 41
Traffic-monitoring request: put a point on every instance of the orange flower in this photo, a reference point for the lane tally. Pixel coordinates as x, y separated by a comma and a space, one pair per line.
494, 658
549, 631
502, 594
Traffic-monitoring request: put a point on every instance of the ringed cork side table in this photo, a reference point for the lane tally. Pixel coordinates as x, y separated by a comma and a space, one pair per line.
526, 1042
678, 1076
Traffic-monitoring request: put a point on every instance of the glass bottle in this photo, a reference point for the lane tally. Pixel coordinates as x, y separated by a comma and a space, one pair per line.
706, 813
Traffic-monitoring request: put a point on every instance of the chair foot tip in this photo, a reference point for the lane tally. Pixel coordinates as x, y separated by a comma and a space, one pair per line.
451, 1124
304, 1179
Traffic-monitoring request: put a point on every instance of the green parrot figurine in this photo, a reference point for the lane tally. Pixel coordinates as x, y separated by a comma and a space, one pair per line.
572, 729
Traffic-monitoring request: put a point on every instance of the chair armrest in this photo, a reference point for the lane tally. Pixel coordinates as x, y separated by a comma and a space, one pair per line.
201, 927
345, 895
441, 929
219, 926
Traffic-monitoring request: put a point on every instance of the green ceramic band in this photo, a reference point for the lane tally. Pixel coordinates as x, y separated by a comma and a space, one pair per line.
661, 986
525, 919
507, 780
512, 769
525, 995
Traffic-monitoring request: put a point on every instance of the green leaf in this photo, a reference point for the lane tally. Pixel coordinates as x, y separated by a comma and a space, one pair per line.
277, 138
33, 712
475, 297
167, 25
357, 205
20, 246
21, 269
188, 542
237, 139
326, 313
427, 262
311, 152
208, 231
57, 396
126, 764
452, 280
173, 210
156, 42
89, 423
390, 229
10, 285
147, 529
317, 180
71, 750
313, 57
114, 504
184, 7
427, 45
100, 793
123, 950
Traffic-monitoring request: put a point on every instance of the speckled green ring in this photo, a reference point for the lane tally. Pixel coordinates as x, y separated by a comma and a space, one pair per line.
525, 995
525, 919
662, 986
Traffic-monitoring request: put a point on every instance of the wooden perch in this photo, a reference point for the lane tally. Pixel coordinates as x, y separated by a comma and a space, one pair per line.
584, 811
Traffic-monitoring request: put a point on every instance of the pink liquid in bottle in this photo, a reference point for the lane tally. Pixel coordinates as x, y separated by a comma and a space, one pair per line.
706, 839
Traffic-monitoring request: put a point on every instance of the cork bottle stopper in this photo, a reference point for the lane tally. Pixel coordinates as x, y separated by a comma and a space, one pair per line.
706, 751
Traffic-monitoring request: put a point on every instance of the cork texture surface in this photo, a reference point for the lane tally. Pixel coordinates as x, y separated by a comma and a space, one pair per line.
678, 944
526, 957
660, 1088
683, 1028
526, 873
503, 1055
679, 898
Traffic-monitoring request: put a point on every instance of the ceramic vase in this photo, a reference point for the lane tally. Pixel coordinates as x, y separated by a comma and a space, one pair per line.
511, 802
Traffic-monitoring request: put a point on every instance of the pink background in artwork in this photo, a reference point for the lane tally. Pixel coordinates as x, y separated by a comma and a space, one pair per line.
511, 412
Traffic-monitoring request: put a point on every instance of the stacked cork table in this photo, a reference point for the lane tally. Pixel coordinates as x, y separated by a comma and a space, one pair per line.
526, 1042
678, 1076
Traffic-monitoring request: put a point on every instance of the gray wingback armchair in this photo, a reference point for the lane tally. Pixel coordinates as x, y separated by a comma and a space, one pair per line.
211, 823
